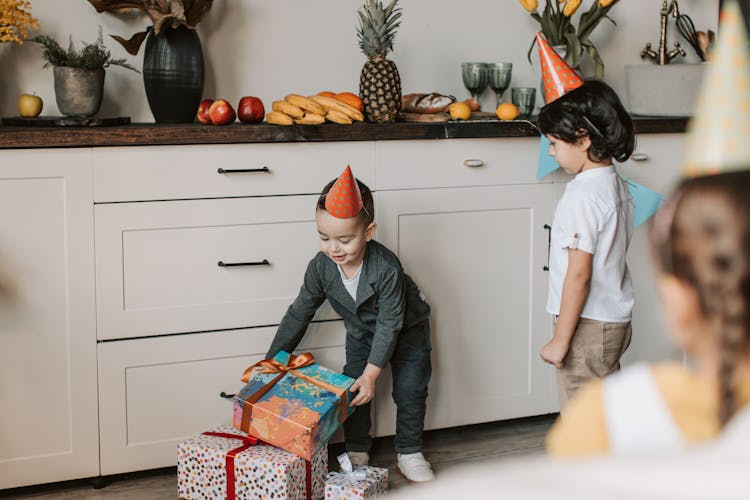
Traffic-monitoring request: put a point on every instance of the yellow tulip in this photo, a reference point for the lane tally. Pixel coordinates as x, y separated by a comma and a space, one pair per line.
606, 3
571, 7
530, 5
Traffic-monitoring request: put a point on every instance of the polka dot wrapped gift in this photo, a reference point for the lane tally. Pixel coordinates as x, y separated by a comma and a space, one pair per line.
260, 471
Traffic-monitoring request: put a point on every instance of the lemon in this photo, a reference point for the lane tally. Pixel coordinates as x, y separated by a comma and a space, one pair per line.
460, 111
507, 111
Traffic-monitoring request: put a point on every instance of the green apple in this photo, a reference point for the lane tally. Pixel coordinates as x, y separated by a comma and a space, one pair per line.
29, 105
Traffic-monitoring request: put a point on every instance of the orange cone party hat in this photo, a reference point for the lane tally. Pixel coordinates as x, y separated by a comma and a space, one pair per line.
344, 200
557, 77
718, 138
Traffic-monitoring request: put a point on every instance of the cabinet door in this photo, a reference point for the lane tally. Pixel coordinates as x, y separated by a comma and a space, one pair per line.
660, 170
48, 422
478, 255
153, 392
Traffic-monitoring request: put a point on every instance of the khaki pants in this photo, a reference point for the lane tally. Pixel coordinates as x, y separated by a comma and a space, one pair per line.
595, 351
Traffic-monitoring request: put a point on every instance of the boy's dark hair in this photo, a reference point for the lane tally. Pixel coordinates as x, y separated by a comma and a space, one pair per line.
367, 214
592, 110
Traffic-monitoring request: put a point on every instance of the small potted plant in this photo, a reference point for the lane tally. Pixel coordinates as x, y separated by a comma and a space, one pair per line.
78, 74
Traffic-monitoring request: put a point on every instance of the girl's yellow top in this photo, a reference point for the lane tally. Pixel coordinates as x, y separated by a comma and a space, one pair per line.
692, 399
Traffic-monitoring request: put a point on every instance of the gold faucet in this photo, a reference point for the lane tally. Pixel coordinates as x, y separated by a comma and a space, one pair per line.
663, 57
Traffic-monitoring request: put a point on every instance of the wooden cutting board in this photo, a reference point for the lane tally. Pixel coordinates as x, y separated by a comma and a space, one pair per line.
424, 117
442, 117
64, 121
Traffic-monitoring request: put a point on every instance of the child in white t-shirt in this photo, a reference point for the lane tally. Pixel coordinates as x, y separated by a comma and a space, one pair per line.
590, 291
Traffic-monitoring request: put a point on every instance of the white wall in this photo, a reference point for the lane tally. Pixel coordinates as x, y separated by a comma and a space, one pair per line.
269, 48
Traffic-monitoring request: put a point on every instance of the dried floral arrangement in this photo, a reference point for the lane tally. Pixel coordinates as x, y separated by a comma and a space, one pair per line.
15, 21
163, 13
91, 56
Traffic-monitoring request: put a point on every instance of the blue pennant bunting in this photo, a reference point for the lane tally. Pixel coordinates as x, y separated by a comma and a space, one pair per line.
547, 164
647, 201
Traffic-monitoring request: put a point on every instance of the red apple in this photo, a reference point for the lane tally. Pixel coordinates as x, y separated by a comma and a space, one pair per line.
202, 114
221, 112
250, 110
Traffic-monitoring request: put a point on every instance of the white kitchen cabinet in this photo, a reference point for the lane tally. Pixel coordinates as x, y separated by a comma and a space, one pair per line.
171, 330
159, 272
478, 255
660, 170
153, 392
48, 393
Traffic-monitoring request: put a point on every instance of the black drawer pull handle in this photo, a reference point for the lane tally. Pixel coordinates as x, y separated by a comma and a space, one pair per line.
244, 170
226, 396
263, 262
549, 242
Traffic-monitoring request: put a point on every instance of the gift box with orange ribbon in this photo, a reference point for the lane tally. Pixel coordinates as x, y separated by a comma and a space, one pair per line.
293, 403
227, 463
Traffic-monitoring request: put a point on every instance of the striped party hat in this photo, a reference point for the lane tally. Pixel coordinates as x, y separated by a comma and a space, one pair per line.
344, 200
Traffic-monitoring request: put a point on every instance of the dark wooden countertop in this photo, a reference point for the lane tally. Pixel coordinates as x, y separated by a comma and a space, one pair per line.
144, 134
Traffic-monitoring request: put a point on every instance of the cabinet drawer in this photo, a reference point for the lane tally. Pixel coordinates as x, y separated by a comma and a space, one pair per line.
158, 272
187, 172
155, 392
431, 164
661, 161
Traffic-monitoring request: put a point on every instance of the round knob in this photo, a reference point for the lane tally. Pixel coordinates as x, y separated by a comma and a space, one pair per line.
474, 163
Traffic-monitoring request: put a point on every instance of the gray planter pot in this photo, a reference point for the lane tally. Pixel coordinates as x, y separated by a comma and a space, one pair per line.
78, 91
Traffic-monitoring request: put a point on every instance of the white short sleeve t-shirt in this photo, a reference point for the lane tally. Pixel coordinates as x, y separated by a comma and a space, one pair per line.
595, 215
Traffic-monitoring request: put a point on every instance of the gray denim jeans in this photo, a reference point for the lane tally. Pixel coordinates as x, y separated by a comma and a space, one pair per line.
411, 369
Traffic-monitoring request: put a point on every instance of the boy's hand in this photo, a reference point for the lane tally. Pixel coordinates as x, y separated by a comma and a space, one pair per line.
365, 384
554, 352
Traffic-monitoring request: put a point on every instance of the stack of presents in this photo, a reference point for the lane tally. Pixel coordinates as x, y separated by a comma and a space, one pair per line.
277, 447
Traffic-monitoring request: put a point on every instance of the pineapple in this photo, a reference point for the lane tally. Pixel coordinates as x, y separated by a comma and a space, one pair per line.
379, 82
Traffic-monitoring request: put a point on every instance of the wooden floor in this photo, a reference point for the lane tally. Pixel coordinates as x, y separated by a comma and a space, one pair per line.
443, 448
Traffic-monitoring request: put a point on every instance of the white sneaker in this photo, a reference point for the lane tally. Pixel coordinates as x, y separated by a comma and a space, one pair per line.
359, 458
415, 468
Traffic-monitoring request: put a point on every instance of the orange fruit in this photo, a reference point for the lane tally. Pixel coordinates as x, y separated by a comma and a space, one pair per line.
460, 111
507, 111
327, 93
352, 100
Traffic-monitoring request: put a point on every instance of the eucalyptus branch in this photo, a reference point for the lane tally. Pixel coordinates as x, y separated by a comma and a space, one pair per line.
91, 56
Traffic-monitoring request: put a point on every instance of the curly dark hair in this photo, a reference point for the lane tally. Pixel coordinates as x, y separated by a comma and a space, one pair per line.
592, 110
367, 214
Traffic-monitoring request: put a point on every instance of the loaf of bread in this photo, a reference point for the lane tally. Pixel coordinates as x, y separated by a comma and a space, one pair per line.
426, 103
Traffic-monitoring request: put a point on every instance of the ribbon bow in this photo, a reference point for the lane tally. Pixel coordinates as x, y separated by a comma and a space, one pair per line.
273, 366
348, 473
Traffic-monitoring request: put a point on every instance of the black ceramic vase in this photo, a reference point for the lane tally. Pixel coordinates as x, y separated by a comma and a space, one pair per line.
173, 74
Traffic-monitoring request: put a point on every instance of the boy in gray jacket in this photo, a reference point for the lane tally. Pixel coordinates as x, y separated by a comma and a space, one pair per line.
385, 314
